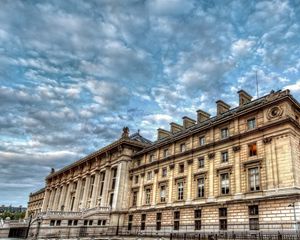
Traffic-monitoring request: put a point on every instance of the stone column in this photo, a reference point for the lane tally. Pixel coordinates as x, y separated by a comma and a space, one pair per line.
77, 194
56, 199
86, 191
171, 183
141, 191
155, 184
117, 201
189, 180
68, 197
51, 199
104, 198
62, 197
46, 200
96, 189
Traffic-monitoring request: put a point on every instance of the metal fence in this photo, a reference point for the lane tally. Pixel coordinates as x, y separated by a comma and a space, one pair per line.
283, 231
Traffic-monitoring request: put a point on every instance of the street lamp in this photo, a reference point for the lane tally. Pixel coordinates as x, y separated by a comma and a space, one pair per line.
295, 219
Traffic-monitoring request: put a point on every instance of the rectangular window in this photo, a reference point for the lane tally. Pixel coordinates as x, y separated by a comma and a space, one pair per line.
82, 189
253, 217
162, 193
197, 213
111, 199
200, 187
180, 190
136, 179
70, 222
181, 168
151, 158
130, 218
224, 156
134, 198
252, 149
201, 162
104, 222
182, 147
143, 222
58, 222
52, 222
224, 133
102, 178
85, 223
176, 220
149, 176
75, 223
202, 141
99, 222
158, 221
114, 178
223, 218
148, 195
166, 153
164, 172
90, 222
224, 183
254, 182
251, 123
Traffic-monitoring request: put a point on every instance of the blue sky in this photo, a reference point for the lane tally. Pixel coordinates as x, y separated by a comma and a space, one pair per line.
74, 72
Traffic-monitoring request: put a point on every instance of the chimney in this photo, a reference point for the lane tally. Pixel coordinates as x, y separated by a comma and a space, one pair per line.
202, 116
222, 107
244, 97
162, 133
188, 122
175, 127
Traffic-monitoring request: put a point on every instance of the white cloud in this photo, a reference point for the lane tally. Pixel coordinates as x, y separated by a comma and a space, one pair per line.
241, 47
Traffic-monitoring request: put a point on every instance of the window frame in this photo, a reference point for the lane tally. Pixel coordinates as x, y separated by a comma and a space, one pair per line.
221, 187
249, 126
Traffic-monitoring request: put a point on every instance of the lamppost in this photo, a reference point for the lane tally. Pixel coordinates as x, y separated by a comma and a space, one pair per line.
295, 218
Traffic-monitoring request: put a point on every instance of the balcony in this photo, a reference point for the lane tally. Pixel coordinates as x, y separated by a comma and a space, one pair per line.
79, 214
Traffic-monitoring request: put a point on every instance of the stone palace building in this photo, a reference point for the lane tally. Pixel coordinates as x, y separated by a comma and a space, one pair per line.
236, 171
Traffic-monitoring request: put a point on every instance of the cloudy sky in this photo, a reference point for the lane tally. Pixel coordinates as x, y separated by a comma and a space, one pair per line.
74, 72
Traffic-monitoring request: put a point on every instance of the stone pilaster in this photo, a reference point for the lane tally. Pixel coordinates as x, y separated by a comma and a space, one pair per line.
56, 199
171, 182
269, 162
189, 180
211, 175
237, 170
141, 191
154, 190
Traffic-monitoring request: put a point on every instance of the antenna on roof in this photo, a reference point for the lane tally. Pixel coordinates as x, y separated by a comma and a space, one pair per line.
256, 83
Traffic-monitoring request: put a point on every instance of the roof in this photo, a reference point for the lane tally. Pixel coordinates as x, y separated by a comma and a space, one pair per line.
38, 191
134, 140
259, 102
139, 138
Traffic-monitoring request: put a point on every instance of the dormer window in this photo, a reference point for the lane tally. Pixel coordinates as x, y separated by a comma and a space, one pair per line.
224, 133
202, 140
251, 123
166, 153
182, 147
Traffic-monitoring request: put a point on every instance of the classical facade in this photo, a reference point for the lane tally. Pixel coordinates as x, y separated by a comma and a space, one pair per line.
35, 203
236, 171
